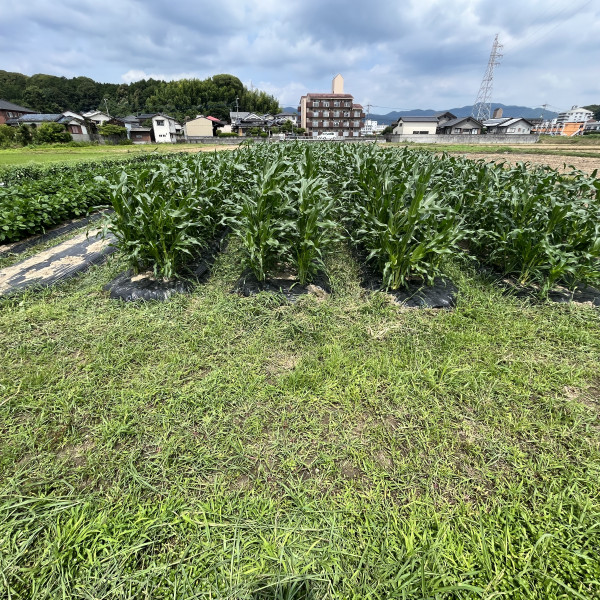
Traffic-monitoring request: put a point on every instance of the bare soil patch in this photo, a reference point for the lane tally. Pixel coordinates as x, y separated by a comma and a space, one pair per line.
561, 163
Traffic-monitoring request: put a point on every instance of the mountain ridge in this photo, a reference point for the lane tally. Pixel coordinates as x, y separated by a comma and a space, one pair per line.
508, 110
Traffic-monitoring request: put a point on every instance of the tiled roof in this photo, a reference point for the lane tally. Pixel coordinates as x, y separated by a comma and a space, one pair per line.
458, 120
418, 119
38, 117
5, 105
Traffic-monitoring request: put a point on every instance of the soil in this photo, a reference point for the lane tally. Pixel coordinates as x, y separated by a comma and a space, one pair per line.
585, 164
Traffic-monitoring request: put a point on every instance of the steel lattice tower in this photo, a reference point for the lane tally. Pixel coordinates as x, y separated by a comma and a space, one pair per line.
482, 109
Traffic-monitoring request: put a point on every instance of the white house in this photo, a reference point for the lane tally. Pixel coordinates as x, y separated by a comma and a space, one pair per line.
508, 125
415, 126
97, 117
166, 129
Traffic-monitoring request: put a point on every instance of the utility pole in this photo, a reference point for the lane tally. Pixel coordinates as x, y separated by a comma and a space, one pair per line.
482, 109
106, 105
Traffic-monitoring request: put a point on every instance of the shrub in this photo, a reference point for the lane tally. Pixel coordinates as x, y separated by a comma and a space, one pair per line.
50, 133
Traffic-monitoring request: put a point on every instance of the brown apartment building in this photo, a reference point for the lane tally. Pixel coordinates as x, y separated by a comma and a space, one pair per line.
331, 113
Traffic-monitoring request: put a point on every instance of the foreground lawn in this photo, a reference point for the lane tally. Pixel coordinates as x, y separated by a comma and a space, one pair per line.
57, 154
222, 447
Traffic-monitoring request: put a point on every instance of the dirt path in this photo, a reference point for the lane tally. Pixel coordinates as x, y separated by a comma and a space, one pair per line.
556, 162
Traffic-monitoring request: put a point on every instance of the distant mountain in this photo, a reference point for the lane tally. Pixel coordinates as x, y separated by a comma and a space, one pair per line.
464, 111
290, 109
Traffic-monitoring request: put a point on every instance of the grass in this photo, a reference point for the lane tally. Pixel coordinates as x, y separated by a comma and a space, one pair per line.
225, 447
56, 154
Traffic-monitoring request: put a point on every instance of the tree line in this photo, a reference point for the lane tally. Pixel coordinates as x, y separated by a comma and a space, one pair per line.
214, 96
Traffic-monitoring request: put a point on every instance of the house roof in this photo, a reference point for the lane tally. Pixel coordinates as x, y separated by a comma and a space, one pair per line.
504, 121
140, 129
130, 119
238, 115
5, 105
215, 120
418, 119
458, 120
40, 117
443, 113
349, 96
145, 116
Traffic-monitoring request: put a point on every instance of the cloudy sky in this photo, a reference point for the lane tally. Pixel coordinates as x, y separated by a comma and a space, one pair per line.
393, 54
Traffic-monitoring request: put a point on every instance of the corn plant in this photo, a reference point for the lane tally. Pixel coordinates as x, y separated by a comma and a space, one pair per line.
163, 217
310, 230
536, 225
259, 220
399, 221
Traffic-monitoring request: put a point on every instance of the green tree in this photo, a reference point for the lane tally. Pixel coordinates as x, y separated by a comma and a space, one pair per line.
595, 108
7, 136
114, 131
24, 135
52, 133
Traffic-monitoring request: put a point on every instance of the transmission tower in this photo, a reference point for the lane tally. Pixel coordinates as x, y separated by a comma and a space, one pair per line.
482, 109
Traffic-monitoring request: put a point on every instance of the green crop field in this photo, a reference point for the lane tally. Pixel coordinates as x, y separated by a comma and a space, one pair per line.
70, 155
216, 446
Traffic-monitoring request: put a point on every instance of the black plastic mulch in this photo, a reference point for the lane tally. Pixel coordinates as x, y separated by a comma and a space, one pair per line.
581, 294
51, 234
130, 287
416, 294
64, 262
288, 287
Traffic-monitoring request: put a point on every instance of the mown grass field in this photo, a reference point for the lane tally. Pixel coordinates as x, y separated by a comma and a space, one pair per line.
57, 154
225, 447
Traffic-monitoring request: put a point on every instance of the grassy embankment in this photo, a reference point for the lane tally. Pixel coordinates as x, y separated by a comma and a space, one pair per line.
215, 446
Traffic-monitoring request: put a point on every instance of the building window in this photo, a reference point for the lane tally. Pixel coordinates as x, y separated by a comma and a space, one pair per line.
346, 123
316, 103
347, 104
315, 123
336, 123
325, 113
138, 136
356, 123
357, 113
336, 113
336, 103
160, 122
326, 104
346, 113
325, 123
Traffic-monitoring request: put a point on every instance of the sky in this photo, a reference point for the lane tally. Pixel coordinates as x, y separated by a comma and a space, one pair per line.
393, 54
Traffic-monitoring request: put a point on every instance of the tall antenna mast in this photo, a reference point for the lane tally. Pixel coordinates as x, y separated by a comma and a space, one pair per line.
482, 109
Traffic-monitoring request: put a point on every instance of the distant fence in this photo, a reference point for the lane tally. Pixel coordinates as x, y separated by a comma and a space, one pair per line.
491, 138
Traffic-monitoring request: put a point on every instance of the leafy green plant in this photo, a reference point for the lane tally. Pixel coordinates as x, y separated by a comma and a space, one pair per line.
164, 216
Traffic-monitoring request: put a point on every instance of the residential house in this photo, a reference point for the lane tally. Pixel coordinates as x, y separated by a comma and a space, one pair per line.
8, 110
282, 117
201, 127
592, 127
166, 129
508, 126
444, 117
241, 122
96, 117
140, 135
73, 122
415, 125
461, 126
331, 113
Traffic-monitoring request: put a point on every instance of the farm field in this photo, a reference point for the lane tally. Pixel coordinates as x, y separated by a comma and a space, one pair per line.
70, 155
341, 446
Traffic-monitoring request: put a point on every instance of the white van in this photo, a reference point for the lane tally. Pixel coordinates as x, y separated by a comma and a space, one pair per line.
328, 135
